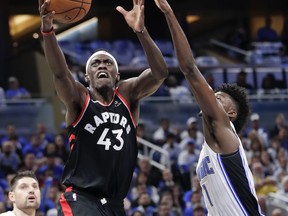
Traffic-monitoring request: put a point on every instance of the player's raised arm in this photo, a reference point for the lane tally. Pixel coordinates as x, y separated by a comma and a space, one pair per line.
68, 90
218, 109
151, 79
200, 88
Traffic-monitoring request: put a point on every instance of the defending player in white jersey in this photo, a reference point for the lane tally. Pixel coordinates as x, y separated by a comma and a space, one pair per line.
227, 183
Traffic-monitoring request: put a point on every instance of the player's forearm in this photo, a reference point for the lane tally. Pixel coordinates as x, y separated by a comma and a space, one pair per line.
54, 56
154, 56
181, 44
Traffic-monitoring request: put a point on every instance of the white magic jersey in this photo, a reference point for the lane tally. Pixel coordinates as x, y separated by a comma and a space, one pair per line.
227, 183
9, 213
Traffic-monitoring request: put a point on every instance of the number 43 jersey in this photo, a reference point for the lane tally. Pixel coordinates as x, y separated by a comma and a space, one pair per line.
103, 149
227, 183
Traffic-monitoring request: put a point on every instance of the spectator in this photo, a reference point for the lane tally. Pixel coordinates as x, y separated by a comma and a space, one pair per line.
153, 174
267, 33
50, 168
41, 130
283, 137
258, 129
241, 80
62, 152
172, 146
8, 156
150, 189
188, 156
282, 167
178, 93
277, 212
15, 91
270, 85
283, 190
192, 132
35, 146
239, 37
12, 133
137, 213
161, 133
167, 181
267, 163
263, 185
145, 204
29, 162
167, 205
192, 200
198, 210
279, 122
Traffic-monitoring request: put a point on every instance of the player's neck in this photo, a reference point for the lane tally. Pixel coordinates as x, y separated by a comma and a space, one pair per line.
26, 212
105, 96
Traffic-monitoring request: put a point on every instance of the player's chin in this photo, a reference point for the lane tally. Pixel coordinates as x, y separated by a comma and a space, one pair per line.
33, 203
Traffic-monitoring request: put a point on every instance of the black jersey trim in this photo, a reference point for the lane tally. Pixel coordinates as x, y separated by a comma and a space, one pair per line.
74, 124
127, 106
234, 172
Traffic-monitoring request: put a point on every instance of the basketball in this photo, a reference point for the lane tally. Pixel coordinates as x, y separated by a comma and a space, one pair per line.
69, 11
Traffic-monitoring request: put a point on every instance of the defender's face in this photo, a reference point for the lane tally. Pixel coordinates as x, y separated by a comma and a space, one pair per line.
102, 71
225, 100
26, 194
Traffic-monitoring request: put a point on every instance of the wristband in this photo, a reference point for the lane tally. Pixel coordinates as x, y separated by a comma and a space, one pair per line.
48, 33
139, 32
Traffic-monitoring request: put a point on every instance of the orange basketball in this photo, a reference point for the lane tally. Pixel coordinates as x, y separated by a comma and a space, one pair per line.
69, 11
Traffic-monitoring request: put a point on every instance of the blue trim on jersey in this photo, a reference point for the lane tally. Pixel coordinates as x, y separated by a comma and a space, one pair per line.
230, 186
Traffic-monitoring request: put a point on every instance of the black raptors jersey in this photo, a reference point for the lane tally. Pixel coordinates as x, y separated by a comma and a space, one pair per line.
103, 149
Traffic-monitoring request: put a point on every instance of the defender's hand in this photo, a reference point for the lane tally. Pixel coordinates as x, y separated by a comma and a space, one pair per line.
163, 5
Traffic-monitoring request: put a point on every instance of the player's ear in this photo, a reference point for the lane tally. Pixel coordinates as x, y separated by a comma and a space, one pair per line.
87, 78
11, 196
232, 114
118, 77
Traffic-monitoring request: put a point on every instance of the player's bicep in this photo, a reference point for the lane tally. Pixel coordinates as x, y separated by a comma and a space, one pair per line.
226, 137
68, 90
145, 84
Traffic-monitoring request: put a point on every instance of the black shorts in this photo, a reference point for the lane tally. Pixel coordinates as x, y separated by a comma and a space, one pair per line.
75, 203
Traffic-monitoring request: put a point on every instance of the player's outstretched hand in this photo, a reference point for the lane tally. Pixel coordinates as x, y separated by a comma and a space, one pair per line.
46, 16
134, 17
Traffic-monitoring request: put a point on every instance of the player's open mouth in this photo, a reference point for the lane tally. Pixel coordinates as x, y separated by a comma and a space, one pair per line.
102, 75
32, 198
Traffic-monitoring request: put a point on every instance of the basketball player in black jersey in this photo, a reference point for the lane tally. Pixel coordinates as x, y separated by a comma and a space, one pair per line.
101, 119
225, 178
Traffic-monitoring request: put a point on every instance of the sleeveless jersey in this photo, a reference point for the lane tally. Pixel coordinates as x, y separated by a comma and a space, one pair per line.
103, 149
227, 183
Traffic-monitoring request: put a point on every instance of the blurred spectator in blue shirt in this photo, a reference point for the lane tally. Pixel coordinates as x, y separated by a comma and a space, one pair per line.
267, 33
14, 90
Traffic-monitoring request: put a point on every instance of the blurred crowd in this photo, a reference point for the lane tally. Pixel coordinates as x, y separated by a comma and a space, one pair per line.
173, 191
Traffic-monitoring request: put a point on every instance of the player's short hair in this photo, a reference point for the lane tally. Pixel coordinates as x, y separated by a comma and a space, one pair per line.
240, 97
20, 175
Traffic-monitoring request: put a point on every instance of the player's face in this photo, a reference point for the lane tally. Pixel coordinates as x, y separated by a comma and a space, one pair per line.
102, 71
226, 101
26, 194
